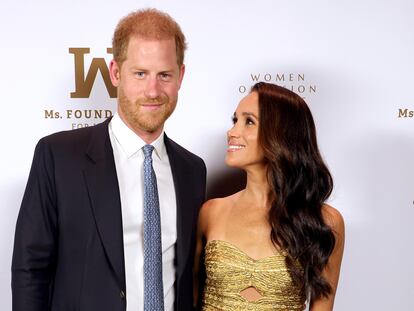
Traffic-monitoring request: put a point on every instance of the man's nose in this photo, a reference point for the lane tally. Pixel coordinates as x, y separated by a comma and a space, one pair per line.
152, 89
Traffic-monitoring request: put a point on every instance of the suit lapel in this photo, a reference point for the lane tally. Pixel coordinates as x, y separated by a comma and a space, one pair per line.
103, 188
181, 174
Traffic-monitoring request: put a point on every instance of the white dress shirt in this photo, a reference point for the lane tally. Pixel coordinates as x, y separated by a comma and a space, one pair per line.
129, 160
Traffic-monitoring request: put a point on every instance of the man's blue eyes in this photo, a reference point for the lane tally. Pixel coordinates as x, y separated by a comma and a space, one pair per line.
163, 76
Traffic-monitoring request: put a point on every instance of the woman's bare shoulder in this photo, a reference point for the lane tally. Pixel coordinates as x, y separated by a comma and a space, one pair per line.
213, 207
333, 218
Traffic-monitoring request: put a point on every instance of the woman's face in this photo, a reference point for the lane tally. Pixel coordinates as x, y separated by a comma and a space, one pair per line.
243, 149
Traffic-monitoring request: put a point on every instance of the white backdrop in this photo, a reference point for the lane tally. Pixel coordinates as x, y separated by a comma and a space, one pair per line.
351, 60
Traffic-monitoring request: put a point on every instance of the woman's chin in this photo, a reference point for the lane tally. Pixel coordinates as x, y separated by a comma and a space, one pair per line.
232, 162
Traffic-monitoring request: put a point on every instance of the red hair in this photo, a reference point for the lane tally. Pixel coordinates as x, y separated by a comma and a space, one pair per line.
148, 24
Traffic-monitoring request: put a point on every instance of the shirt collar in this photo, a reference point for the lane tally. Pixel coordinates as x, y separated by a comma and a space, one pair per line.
130, 142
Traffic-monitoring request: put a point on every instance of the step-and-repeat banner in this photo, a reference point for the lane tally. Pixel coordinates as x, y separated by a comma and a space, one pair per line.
351, 60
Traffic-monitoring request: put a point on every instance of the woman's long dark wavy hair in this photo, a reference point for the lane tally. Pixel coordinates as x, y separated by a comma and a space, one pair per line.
300, 183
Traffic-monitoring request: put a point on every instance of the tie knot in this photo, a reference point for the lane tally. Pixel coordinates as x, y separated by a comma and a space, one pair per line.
148, 150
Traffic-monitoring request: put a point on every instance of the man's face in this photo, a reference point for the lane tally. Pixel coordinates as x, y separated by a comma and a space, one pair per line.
148, 82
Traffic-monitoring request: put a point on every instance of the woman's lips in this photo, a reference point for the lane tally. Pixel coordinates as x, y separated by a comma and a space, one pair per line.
233, 148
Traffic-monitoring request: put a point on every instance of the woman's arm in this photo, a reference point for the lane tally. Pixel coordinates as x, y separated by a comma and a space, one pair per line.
198, 270
331, 272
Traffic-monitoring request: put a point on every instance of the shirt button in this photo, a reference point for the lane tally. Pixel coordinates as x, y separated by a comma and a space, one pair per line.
122, 294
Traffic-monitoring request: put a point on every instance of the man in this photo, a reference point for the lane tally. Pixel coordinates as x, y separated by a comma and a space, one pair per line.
96, 229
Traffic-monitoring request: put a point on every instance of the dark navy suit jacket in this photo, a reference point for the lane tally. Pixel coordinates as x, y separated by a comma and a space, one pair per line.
68, 250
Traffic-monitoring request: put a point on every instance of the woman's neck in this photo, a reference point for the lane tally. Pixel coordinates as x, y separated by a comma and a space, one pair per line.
257, 186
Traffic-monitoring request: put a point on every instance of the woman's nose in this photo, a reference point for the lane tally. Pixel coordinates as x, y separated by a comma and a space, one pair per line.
232, 132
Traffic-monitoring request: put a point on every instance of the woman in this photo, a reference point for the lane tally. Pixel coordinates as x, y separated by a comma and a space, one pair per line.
275, 244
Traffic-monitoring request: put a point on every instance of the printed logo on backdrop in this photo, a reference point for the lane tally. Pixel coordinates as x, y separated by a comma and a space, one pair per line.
84, 80
296, 82
405, 113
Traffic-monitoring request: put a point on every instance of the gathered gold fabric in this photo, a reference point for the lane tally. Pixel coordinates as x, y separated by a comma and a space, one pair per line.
230, 271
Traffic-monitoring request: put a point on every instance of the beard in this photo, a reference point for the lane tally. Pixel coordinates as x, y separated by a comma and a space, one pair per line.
144, 119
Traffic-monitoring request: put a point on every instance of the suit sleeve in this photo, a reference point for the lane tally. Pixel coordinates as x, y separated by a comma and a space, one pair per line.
204, 181
34, 253
201, 275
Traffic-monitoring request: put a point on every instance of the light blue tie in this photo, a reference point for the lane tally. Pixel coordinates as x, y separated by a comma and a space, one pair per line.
153, 285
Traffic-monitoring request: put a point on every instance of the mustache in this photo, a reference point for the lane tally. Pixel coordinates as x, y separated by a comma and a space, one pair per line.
160, 100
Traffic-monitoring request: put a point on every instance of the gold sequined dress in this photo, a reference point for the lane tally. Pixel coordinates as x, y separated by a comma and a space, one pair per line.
230, 271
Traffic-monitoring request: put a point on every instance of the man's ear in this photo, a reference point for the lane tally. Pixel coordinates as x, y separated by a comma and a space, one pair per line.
181, 75
114, 72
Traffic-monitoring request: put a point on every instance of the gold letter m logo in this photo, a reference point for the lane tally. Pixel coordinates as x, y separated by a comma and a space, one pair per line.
84, 85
